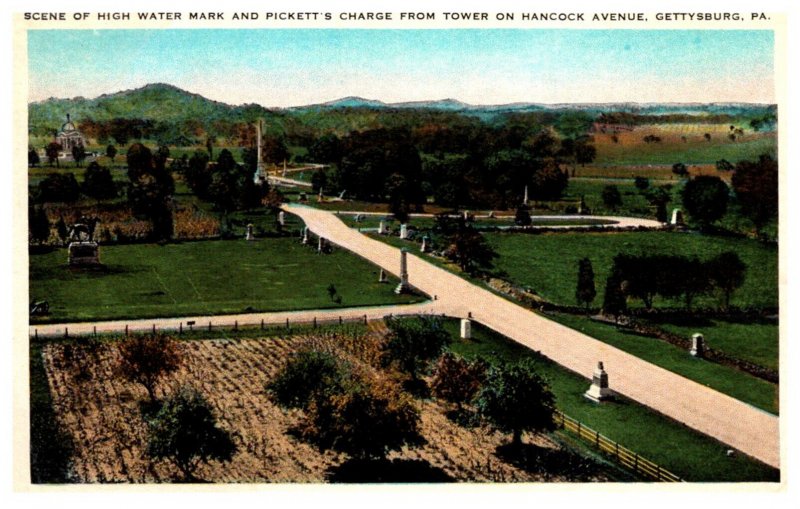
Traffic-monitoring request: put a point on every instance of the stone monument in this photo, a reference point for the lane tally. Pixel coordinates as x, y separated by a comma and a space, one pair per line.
382, 276
403, 287
403, 231
260, 175
82, 249
698, 345
424, 247
281, 218
599, 390
320, 245
466, 328
305, 235
525, 197
249, 235
677, 217
382, 228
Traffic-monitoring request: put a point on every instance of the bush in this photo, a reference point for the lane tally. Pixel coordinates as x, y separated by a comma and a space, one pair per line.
413, 342
457, 380
308, 375
98, 183
185, 431
58, 188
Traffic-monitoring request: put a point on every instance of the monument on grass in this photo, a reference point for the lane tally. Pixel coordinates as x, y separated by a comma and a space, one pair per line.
403, 231
525, 197
281, 218
599, 390
382, 276
698, 345
424, 247
305, 235
320, 245
82, 249
249, 235
677, 217
466, 328
382, 228
403, 287
260, 175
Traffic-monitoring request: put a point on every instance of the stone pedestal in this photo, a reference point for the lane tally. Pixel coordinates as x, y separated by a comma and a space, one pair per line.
466, 328
698, 345
320, 245
403, 231
281, 218
83, 253
249, 235
677, 217
382, 228
382, 276
403, 287
525, 197
599, 390
424, 247
305, 235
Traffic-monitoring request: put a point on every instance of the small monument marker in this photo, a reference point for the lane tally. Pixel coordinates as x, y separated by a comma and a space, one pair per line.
466, 328
249, 235
698, 345
599, 390
403, 287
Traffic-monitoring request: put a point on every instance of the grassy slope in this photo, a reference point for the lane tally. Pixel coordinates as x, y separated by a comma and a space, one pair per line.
548, 263
212, 277
677, 448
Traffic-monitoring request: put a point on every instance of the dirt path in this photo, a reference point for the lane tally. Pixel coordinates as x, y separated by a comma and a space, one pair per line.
729, 420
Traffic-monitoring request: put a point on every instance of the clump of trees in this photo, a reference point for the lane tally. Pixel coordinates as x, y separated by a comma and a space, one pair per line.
705, 199
458, 380
645, 277
412, 343
467, 247
98, 182
309, 375
58, 187
756, 187
150, 188
585, 291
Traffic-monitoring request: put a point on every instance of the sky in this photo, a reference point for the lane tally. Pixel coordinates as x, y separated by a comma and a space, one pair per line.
293, 67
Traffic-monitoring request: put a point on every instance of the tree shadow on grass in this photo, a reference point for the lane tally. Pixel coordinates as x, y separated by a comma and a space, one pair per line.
549, 462
387, 471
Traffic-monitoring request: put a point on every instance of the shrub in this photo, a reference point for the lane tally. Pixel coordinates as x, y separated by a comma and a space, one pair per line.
457, 380
308, 375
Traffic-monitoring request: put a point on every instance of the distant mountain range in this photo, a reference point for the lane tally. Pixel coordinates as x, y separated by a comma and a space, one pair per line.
161, 102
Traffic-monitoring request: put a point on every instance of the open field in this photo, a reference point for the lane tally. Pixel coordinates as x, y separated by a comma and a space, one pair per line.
207, 277
548, 263
100, 411
632, 150
677, 448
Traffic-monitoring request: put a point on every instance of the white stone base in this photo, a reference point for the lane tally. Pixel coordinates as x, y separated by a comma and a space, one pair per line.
597, 394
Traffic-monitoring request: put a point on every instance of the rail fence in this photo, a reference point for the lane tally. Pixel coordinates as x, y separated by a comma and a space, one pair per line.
623, 456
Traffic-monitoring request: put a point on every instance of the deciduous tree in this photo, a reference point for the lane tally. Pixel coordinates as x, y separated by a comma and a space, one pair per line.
147, 359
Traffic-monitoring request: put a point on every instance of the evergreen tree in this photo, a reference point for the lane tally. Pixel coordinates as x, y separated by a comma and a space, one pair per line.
585, 291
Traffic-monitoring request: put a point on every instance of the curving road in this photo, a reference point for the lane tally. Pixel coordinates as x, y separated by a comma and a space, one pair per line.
729, 420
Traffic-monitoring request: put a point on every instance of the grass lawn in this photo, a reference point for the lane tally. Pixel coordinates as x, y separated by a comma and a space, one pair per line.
685, 452
754, 342
209, 277
728, 380
548, 263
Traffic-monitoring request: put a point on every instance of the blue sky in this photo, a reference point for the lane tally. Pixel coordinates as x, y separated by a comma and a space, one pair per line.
304, 66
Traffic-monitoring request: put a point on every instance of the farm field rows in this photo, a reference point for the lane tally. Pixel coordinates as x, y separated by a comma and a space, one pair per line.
100, 411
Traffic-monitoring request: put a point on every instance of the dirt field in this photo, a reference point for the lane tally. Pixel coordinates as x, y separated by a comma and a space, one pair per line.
101, 412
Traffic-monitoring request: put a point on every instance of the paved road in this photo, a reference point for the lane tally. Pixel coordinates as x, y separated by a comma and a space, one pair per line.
733, 422
618, 221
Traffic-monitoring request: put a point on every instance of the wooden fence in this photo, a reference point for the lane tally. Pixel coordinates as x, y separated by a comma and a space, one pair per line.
624, 457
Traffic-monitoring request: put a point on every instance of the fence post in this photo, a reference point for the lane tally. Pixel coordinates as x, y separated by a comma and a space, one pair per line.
262, 324
126, 329
209, 326
579, 429
636, 462
287, 322
340, 319
597, 439
658, 472
36, 334
235, 325
365, 319
94, 330
616, 449
315, 322
66, 332
180, 328
154, 328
